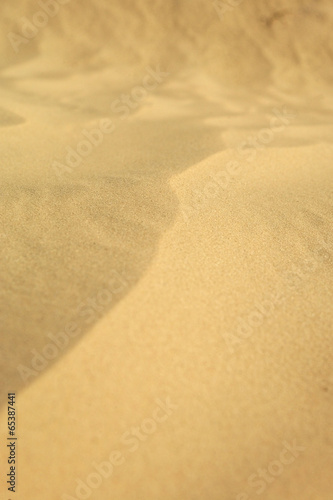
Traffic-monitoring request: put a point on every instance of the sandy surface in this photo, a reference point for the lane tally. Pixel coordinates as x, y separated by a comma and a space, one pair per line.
166, 261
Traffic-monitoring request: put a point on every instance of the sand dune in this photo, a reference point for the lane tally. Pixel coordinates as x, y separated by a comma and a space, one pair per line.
287, 44
166, 207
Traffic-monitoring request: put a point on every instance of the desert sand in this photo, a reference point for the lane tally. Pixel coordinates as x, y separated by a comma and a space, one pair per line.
167, 249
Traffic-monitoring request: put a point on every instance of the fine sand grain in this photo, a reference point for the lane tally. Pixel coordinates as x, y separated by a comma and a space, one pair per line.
166, 211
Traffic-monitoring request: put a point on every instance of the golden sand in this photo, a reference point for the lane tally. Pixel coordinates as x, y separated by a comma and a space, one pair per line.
166, 249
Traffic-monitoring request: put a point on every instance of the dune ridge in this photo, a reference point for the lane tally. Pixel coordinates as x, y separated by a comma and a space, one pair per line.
167, 240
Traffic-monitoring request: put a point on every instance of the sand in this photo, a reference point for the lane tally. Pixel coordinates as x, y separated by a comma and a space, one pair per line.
167, 249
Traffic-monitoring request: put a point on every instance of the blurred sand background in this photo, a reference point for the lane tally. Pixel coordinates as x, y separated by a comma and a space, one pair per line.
186, 257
